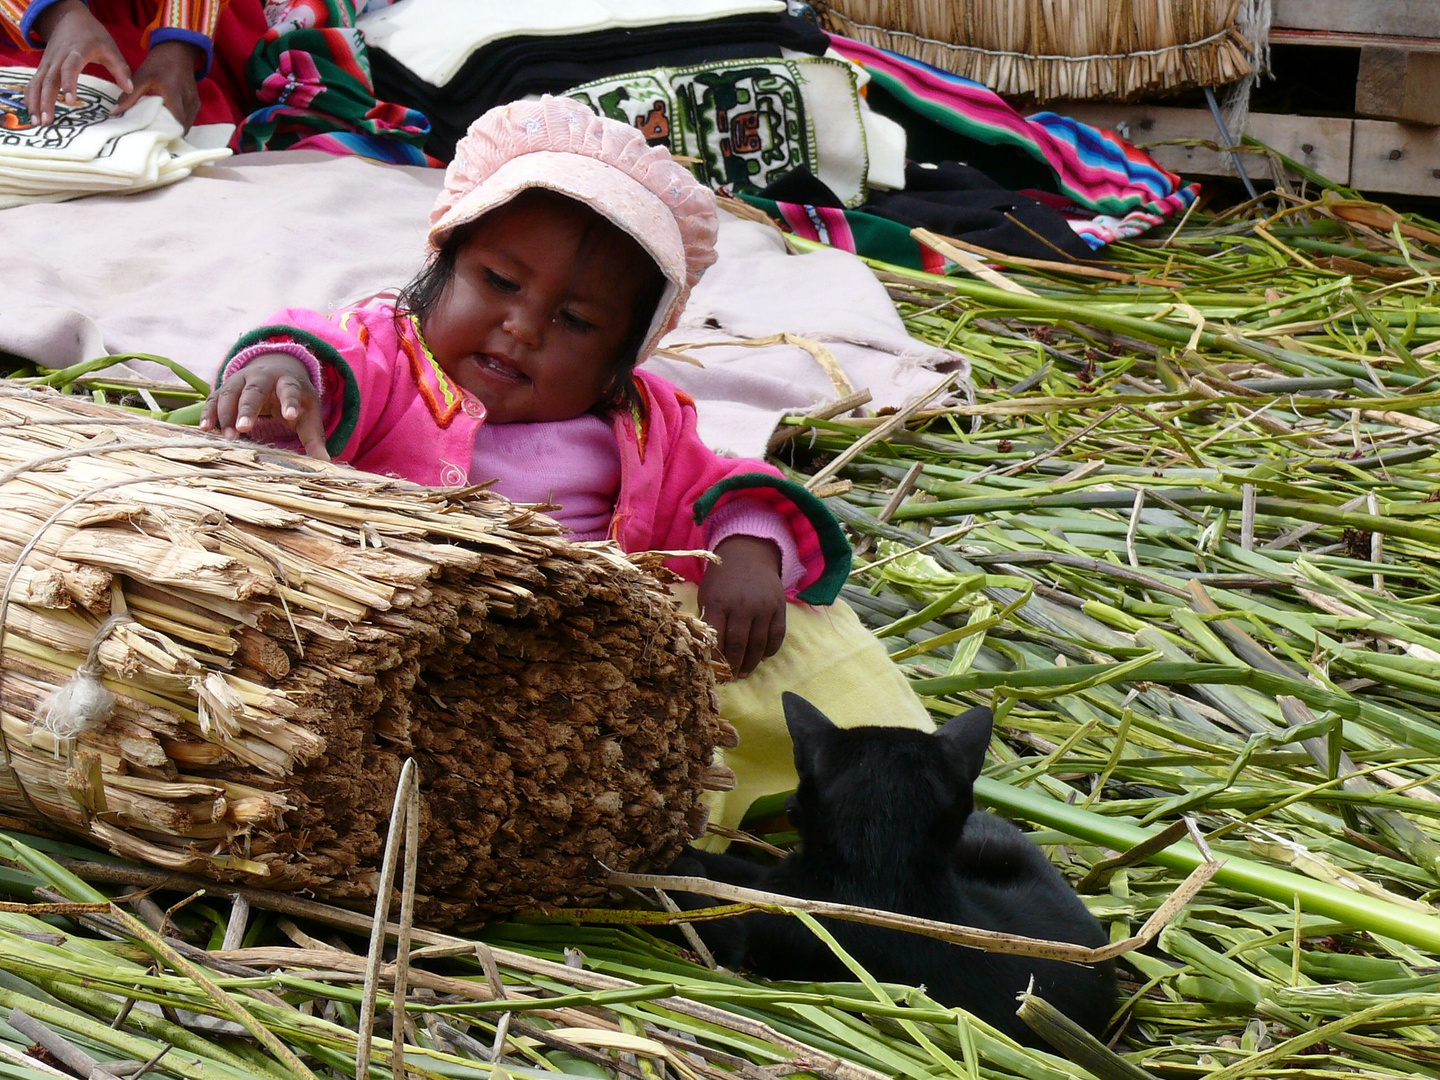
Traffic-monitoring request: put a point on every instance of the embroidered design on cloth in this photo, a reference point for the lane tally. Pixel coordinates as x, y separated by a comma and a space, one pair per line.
86, 151
746, 123
20, 129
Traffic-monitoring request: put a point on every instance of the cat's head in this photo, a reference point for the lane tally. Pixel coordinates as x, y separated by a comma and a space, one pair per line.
867, 788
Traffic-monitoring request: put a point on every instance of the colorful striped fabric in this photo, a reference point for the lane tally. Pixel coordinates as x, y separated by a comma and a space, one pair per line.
12, 14
194, 18
854, 230
1121, 190
311, 74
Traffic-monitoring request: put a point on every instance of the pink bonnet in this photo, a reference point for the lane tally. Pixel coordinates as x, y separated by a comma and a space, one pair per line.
560, 144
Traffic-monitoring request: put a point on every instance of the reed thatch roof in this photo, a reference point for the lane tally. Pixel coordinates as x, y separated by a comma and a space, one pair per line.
1047, 51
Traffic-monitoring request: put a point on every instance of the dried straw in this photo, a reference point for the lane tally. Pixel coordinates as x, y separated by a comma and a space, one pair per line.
1048, 50
279, 634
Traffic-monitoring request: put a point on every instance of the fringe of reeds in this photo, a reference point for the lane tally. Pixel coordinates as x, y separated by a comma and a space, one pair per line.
278, 634
1042, 51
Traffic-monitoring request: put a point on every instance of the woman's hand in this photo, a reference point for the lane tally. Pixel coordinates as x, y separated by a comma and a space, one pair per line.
274, 385
73, 38
743, 598
169, 71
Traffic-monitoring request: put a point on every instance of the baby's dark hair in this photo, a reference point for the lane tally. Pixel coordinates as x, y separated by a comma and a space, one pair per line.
424, 291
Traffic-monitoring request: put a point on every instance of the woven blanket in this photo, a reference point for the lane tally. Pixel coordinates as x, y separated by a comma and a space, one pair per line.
311, 75
1120, 190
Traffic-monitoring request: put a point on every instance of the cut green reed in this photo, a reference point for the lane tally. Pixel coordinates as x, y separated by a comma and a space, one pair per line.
1185, 540
1199, 530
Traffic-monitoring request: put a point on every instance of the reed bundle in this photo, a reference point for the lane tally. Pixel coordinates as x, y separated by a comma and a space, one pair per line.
1048, 51
279, 634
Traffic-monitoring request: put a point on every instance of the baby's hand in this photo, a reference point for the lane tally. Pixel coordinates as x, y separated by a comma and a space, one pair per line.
743, 598
275, 385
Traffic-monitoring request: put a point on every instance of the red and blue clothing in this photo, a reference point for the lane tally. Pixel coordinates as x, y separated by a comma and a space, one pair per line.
225, 32
190, 21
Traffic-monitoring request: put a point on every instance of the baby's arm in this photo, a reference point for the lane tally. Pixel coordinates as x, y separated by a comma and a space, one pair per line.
743, 595
273, 379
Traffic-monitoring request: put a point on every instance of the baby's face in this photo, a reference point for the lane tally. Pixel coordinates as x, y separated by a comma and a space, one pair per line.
541, 301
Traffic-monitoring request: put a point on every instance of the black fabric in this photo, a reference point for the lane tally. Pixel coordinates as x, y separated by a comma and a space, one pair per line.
1008, 167
957, 201
961, 201
803, 187
513, 67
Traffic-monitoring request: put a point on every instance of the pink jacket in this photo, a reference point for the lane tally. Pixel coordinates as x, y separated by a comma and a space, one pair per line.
390, 409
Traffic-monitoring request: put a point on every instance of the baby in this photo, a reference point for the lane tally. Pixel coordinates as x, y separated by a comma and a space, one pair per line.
562, 249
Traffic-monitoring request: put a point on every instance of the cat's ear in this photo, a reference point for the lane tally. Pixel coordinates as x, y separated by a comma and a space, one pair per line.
809, 727
968, 735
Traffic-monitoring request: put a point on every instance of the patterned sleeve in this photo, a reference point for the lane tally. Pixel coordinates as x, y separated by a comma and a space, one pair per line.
11, 14
190, 21
18, 17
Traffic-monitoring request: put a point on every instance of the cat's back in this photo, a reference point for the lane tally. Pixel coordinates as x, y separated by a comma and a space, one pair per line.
1006, 880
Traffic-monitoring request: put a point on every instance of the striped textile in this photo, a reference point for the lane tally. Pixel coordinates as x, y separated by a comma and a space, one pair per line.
311, 74
12, 18
1118, 190
193, 21
854, 230
196, 16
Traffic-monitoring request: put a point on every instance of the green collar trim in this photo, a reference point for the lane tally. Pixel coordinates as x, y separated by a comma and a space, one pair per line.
834, 547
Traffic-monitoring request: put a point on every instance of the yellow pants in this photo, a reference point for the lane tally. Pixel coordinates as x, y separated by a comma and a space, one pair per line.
830, 659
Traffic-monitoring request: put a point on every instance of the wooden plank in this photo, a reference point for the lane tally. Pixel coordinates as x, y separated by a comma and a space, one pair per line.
1399, 158
1319, 143
1397, 84
1405, 18
1338, 39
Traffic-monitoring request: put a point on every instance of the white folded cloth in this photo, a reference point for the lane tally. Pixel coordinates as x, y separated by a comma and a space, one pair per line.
87, 151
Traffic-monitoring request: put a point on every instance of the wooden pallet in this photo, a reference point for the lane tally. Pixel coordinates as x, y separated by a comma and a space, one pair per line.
1393, 149
1399, 43
1396, 18
1369, 155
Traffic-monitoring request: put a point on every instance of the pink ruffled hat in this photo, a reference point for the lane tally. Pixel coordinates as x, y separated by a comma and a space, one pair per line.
560, 144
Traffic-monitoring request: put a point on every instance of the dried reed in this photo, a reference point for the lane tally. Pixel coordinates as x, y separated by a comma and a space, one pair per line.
280, 634
1047, 50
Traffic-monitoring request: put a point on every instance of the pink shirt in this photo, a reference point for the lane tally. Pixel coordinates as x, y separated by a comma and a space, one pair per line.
571, 464
574, 465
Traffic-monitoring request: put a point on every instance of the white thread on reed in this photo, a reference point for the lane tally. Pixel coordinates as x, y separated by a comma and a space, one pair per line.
1179, 46
1252, 20
82, 703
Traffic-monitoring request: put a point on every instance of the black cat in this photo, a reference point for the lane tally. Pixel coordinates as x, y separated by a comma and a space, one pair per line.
887, 820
